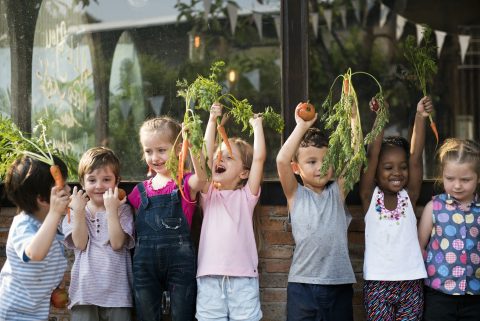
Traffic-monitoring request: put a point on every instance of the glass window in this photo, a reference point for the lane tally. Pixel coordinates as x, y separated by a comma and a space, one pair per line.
370, 37
100, 68
5, 69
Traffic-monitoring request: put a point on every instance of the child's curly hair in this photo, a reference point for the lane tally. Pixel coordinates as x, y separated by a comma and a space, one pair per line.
313, 137
395, 141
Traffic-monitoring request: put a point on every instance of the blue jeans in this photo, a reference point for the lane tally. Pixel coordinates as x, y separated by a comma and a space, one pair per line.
317, 302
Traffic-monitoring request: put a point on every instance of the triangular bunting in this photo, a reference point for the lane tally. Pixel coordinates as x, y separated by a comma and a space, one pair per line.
356, 8
157, 103
254, 78
343, 14
232, 11
277, 22
257, 17
207, 4
327, 13
314, 22
384, 11
464, 41
125, 106
440, 36
420, 31
400, 26
369, 5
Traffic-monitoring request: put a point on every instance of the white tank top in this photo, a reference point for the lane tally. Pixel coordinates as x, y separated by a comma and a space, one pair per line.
392, 251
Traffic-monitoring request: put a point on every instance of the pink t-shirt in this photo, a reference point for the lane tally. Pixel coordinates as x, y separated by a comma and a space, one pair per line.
188, 205
227, 242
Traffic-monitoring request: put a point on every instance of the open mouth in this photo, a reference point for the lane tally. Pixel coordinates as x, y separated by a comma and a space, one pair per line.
219, 169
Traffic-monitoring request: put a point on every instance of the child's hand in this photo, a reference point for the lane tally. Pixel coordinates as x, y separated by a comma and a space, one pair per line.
215, 111
111, 201
256, 120
59, 200
425, 106
299, 120
78, 200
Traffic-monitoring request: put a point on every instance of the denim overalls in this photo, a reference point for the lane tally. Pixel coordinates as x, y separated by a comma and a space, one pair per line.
164, 258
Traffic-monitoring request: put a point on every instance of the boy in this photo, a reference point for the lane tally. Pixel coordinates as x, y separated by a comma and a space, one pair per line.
321, 275
35, 261
101, 234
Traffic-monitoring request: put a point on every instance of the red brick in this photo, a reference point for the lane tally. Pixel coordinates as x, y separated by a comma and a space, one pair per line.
277, 252
279, 211
273, 223
276, 265
273, 280
273, 295
278, 238
274, 311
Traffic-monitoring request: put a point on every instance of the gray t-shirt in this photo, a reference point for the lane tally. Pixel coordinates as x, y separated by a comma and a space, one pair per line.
319, 226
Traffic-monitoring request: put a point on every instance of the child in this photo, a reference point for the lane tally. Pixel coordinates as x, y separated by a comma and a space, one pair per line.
389, 189
321, 275
35, 260
227, 276
164, 258
449, 233
101, 233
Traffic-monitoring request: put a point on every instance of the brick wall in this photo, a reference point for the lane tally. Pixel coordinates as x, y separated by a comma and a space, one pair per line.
275, 243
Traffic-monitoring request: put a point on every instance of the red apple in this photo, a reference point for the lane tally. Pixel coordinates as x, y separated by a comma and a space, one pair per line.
59, 298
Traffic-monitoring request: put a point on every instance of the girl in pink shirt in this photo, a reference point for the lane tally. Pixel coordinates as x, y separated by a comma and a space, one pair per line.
164, 258
227, 276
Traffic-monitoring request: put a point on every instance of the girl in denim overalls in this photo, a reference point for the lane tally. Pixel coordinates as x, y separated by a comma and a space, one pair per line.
449, 235
164, 258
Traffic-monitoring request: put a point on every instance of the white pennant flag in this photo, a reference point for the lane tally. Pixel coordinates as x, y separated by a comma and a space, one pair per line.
327, 13
206, 7
157, 103
368, 7
254, 78
356, 8
232, 11
400, 25
276, 21
384, 11
440, 36
464, 41
125, 107
326, 37
343, 13
257, 17
314, 22
420, 32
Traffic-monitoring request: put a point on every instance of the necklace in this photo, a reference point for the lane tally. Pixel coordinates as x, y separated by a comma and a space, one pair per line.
386, 214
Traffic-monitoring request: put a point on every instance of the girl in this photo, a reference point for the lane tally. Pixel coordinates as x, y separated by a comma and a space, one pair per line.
389, 189
35, 260
227, 275
449, 233
100, 233
164, 258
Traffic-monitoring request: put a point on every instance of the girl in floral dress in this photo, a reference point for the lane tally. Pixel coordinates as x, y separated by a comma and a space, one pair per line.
389, 189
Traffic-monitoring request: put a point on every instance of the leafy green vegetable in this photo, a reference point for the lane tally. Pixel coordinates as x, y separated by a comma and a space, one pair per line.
345, 147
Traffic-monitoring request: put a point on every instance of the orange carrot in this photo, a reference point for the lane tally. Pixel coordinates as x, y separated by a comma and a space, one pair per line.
59, 182
181, 167
223, 134
345, 86
121, 193
434, 127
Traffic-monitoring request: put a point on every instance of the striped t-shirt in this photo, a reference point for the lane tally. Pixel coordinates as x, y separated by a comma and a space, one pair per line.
26, 286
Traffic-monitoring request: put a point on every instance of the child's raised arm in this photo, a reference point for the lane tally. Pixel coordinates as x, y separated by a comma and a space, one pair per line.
79, 200
40, 244
209, 138
116, 235
425, 226
285, 156
259, 155
367, 178
415, 163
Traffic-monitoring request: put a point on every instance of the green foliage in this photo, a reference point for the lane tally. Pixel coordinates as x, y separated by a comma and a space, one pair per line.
14, 144
421, 58
345, 147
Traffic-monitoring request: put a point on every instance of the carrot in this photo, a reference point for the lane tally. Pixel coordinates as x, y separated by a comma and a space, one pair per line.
223, 134
59, 182
121, 193
434, 127
181, 167
345, 86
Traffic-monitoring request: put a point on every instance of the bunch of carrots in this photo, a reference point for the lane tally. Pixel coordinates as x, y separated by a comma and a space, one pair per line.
424, 67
